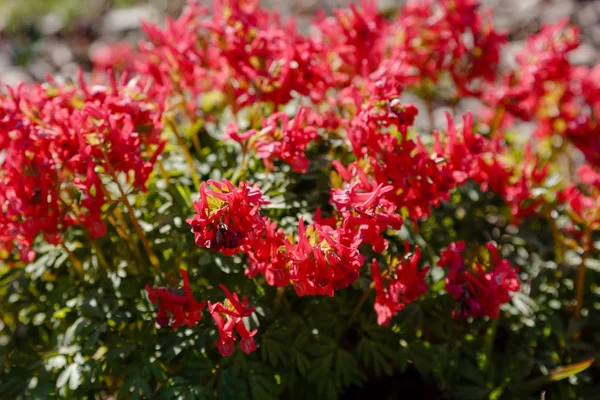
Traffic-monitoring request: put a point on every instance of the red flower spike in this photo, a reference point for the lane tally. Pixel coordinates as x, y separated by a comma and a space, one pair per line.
280, 138
184, 309
49, 177
248, 344
228, 316
406, 284
227, 217
268, 257
479, 292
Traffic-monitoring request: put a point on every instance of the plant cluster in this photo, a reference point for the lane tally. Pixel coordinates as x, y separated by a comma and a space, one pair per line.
234, 154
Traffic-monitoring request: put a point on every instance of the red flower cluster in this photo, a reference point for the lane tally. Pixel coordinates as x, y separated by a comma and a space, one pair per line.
353, 40
177, 307
584, 210
479, 291
240, 50
173, 58
115, 56
447, 37
267, 256
227, 217
365, 211
60, 142
406, 284
472, 156
545, 86
183, 307
417, 185
233, 312
280, 138
323, 260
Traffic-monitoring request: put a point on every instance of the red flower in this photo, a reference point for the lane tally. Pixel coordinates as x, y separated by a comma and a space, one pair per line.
365, 209
384, 307
447, 37
233, 312
323, 260
184, 308
248, 344
406, 284
58, 140
280, 138
354, 39
268, 257
584, 209
227, 217
117, 56
226, 342
479, 292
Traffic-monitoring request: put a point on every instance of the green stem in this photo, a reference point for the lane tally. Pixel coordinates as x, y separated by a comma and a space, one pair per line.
99, 255
359, 305
241, 167
278, 298
74, 260
136, 225
579, 291
186, 153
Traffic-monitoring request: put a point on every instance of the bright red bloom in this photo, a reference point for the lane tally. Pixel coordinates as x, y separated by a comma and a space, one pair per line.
480, 292
183, 308
175, 58
365, 209
233, 312
248, 344
226, 342
406, 284
384, 308
354, 39
280, 138
268, 257
266, 59
323, 260
60, 141
584, 209
447, 37
542, 61
117, 56
227, 217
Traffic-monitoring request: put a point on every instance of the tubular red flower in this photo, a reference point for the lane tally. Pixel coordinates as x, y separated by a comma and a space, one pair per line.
233, 311
406, 284
227, 217
280, 138
479, 292
184, 308
59, 141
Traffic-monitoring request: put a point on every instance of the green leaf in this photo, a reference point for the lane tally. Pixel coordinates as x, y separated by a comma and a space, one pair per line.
230, 386
263, 387
471, 392
346, 369
274, 350
555, 375
126, 388
375, 354
70, 374
573, 369
302, 361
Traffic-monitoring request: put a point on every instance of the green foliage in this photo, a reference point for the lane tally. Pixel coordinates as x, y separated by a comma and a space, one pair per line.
67, 336
63, 336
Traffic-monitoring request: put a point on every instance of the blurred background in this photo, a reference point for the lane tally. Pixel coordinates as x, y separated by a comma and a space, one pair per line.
55, 36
